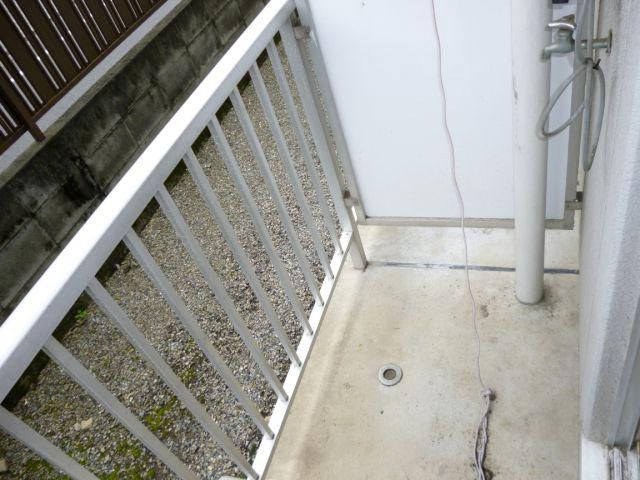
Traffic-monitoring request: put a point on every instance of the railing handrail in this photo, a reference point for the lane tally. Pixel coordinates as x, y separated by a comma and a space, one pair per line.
33, 321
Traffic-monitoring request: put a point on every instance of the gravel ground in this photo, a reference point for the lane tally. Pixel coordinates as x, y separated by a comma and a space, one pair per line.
59, 409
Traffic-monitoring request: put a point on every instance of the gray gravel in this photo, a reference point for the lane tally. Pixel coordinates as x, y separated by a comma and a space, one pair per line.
60, 410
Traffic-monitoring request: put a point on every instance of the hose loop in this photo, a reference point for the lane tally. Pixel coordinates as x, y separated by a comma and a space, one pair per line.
546, 112
599, 75
544, 116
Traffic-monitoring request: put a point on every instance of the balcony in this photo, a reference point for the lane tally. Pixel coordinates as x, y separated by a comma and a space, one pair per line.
229, 308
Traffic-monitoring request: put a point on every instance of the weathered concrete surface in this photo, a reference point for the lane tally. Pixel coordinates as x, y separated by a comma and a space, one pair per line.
487, 246
344, 424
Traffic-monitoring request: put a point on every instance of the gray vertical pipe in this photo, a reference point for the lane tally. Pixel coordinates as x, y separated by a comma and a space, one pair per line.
530, 75
575, 130
587, 34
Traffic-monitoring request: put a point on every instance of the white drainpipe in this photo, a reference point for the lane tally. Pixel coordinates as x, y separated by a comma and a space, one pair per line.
530, 93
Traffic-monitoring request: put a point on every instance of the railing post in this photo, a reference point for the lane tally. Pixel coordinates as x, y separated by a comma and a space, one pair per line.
316, 71
22, 113
350, 197
356, 252
324, 106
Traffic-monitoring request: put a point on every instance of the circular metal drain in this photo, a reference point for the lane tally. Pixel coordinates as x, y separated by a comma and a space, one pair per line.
389, 374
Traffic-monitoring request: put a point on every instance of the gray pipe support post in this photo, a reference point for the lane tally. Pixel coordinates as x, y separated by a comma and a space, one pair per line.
530, 93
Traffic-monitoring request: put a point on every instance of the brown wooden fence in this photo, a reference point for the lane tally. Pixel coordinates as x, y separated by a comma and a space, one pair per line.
46, 46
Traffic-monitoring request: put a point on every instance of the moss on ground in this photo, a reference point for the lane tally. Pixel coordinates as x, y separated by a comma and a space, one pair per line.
157, 420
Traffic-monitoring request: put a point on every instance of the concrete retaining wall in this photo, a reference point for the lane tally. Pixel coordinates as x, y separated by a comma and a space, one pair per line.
50, 197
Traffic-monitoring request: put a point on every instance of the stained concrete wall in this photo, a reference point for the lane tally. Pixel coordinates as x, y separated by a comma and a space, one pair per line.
49, 199
610, 245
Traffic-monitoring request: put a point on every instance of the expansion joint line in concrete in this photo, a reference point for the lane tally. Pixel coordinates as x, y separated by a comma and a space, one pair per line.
476, 268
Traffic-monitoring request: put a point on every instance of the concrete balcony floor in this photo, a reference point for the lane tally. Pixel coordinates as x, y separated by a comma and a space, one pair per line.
345, 425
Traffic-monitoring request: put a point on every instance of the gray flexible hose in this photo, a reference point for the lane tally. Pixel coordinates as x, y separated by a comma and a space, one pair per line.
587, 62
577, 47
553, 99
587, 163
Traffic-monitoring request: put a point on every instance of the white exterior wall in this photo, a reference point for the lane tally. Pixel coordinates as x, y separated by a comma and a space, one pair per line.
382, 64
610, 245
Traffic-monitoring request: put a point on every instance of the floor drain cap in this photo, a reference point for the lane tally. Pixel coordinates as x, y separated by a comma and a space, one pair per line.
389, 374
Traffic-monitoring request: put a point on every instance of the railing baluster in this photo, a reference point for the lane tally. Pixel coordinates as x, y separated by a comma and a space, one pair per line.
59, 33
5, 126
324, 102
292, 111
86, 25
111, 19
20, 110
239, 254
39, 41
43, 447
9, 119
313, 117
312, 108
133, 10
84, 378
16, 87
108, 305
29, 45
146, 261
115, 8
93, 20
283, 150
66, 28
170, 209
263, 165
23, 77
252, 208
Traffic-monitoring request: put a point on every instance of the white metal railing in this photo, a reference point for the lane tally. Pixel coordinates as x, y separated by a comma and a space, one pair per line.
30, 327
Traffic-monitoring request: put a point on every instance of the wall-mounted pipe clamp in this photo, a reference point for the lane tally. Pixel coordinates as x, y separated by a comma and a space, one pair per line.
564, 41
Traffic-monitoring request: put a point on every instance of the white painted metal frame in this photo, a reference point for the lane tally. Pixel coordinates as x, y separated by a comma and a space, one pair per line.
100, 295
100, 394
30, 327
35, 318
263, 164
285, 90
139, 251
256, 218
332, 127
